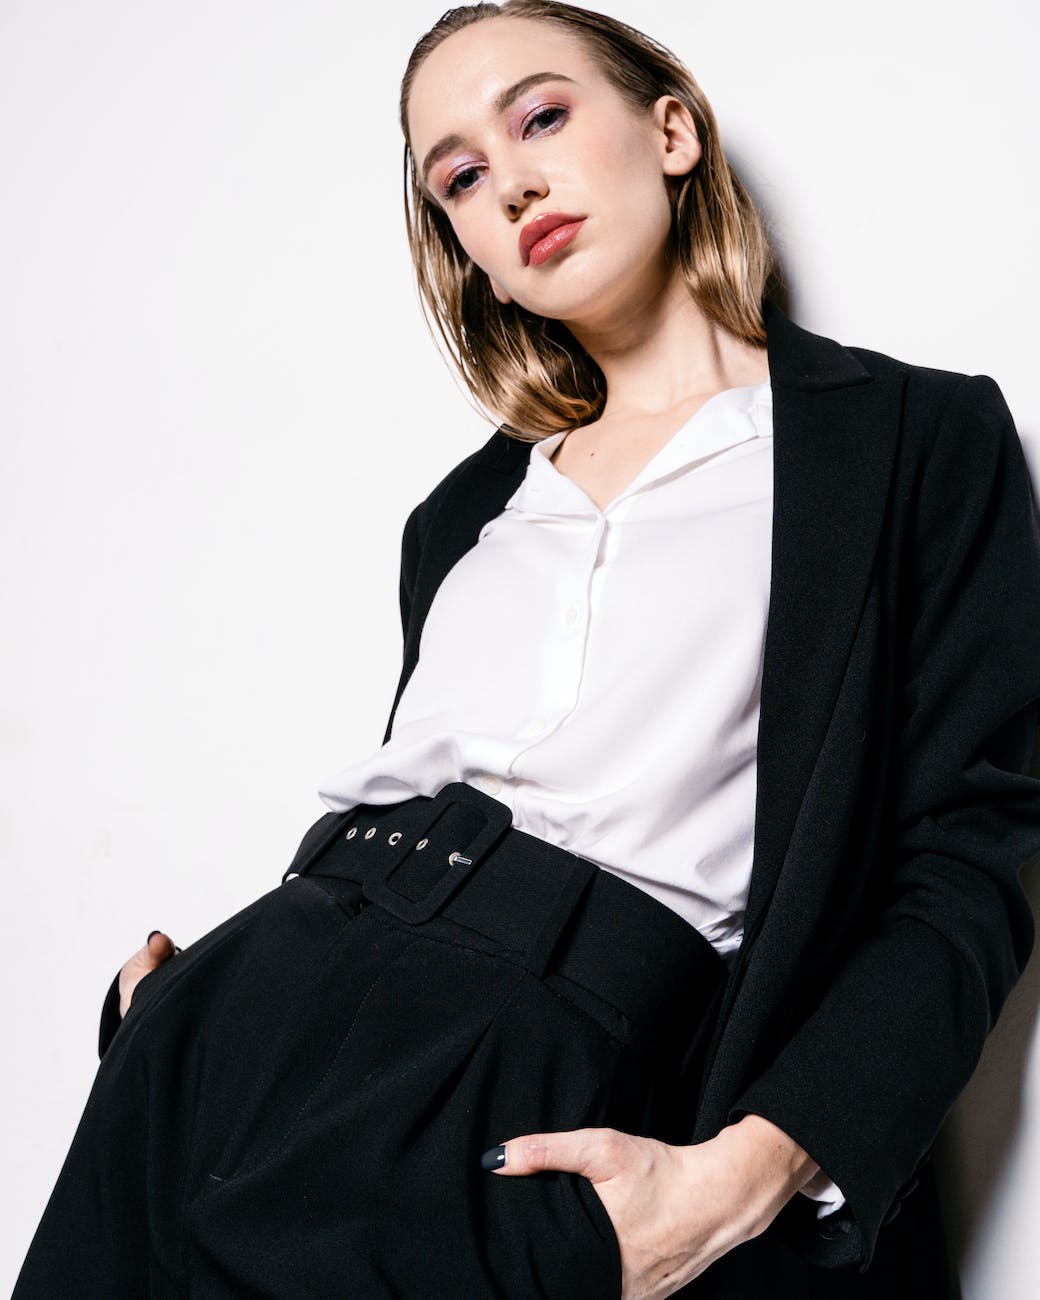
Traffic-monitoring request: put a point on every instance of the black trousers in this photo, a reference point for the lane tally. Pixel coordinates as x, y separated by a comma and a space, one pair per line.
296, 1105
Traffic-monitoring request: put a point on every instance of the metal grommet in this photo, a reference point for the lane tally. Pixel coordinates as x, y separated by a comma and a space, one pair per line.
392, 839
351, 833
370, 832
422, 843
293, 875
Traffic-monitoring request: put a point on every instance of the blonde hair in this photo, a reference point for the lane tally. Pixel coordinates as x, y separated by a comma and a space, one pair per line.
529, 371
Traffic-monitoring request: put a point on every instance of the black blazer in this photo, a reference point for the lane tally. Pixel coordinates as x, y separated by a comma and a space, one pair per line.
886, 924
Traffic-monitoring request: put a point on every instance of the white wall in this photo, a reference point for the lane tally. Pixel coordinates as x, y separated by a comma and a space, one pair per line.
218, 403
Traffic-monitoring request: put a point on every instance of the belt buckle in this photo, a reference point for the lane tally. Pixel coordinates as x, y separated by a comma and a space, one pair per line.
461, 862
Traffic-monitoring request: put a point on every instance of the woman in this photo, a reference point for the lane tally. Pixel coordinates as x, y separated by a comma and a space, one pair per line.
580, 1047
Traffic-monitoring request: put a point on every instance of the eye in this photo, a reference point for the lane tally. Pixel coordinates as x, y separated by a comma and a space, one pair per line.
453, 185
554, 113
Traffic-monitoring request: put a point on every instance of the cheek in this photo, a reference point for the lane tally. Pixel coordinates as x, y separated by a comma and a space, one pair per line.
475, 245
603, 155
483, 239
622, 176
611, 147
468, 231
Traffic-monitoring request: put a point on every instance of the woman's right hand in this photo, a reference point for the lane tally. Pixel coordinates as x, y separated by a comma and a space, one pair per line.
158, 948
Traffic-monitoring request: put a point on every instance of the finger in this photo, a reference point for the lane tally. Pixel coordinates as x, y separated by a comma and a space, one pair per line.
595, 1152
158, 948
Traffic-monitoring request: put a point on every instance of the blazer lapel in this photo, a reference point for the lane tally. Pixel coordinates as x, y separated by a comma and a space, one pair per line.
835, 427
834, 437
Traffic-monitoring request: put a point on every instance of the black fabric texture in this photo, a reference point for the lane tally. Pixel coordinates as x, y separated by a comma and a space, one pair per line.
886, 921
296, 1105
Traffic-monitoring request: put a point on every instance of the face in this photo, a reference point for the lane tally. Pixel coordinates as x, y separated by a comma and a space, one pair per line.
503, 145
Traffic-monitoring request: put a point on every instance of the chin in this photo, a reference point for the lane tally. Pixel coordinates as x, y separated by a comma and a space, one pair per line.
571, 298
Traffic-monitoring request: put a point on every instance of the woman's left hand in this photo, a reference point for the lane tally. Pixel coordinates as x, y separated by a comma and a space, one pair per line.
675, 1209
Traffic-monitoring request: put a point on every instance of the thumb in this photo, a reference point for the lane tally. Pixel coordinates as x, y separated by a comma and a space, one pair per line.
594, 1152
157, 948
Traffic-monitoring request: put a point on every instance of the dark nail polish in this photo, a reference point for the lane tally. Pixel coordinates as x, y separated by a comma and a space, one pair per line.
149, 939
493, 1158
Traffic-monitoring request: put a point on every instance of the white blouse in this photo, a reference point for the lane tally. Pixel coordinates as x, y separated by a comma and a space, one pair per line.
599, 671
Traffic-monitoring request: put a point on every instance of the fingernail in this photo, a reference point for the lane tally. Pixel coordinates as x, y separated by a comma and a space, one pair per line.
493, 1158
149, 939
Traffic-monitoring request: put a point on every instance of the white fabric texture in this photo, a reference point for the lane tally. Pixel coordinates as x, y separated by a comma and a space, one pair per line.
599, 671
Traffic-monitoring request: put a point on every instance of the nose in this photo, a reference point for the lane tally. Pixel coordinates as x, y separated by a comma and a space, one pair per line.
519, 188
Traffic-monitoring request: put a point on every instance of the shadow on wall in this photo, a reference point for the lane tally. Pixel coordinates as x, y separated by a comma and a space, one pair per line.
778, 289
974, 1145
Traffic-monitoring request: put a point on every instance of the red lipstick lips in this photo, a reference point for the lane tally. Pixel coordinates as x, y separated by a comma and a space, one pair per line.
546, 235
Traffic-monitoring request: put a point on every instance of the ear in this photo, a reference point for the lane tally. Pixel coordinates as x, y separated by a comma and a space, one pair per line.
499, 292
680, 144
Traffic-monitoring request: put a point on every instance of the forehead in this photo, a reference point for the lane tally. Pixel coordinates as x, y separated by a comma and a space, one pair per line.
457, 82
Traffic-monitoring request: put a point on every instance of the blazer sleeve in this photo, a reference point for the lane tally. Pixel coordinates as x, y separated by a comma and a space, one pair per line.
866, 1080
411, 545
110, 1017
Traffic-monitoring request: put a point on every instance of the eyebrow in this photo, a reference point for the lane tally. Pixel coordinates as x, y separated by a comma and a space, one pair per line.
502, 101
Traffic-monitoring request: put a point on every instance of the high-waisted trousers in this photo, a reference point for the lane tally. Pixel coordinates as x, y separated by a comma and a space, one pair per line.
296, 1105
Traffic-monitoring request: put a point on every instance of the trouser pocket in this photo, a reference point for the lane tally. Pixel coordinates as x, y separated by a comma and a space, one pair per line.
359, 1173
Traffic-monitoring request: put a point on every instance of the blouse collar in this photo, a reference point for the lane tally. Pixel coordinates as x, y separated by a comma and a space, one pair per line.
732, 416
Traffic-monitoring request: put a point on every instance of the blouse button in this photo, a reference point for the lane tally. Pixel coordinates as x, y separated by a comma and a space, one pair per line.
491, 783
571, 614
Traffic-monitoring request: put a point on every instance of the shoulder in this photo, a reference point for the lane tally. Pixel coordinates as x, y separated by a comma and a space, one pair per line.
950, 434
500, 455
960, 456
950, 413
929, 389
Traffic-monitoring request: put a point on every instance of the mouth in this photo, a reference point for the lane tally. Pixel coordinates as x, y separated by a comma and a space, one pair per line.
541, 238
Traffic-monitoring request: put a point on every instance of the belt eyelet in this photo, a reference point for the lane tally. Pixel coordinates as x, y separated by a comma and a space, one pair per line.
393, 838
351, 833
422, 843
370, 832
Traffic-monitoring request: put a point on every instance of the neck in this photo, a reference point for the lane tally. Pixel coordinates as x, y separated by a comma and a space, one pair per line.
665, 352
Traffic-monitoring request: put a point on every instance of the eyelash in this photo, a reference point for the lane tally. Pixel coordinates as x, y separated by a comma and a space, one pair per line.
451, 188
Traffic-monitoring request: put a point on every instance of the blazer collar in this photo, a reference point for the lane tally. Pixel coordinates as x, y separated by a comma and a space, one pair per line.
803, 360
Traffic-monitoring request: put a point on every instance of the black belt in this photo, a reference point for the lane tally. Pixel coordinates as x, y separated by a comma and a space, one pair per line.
457, 855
